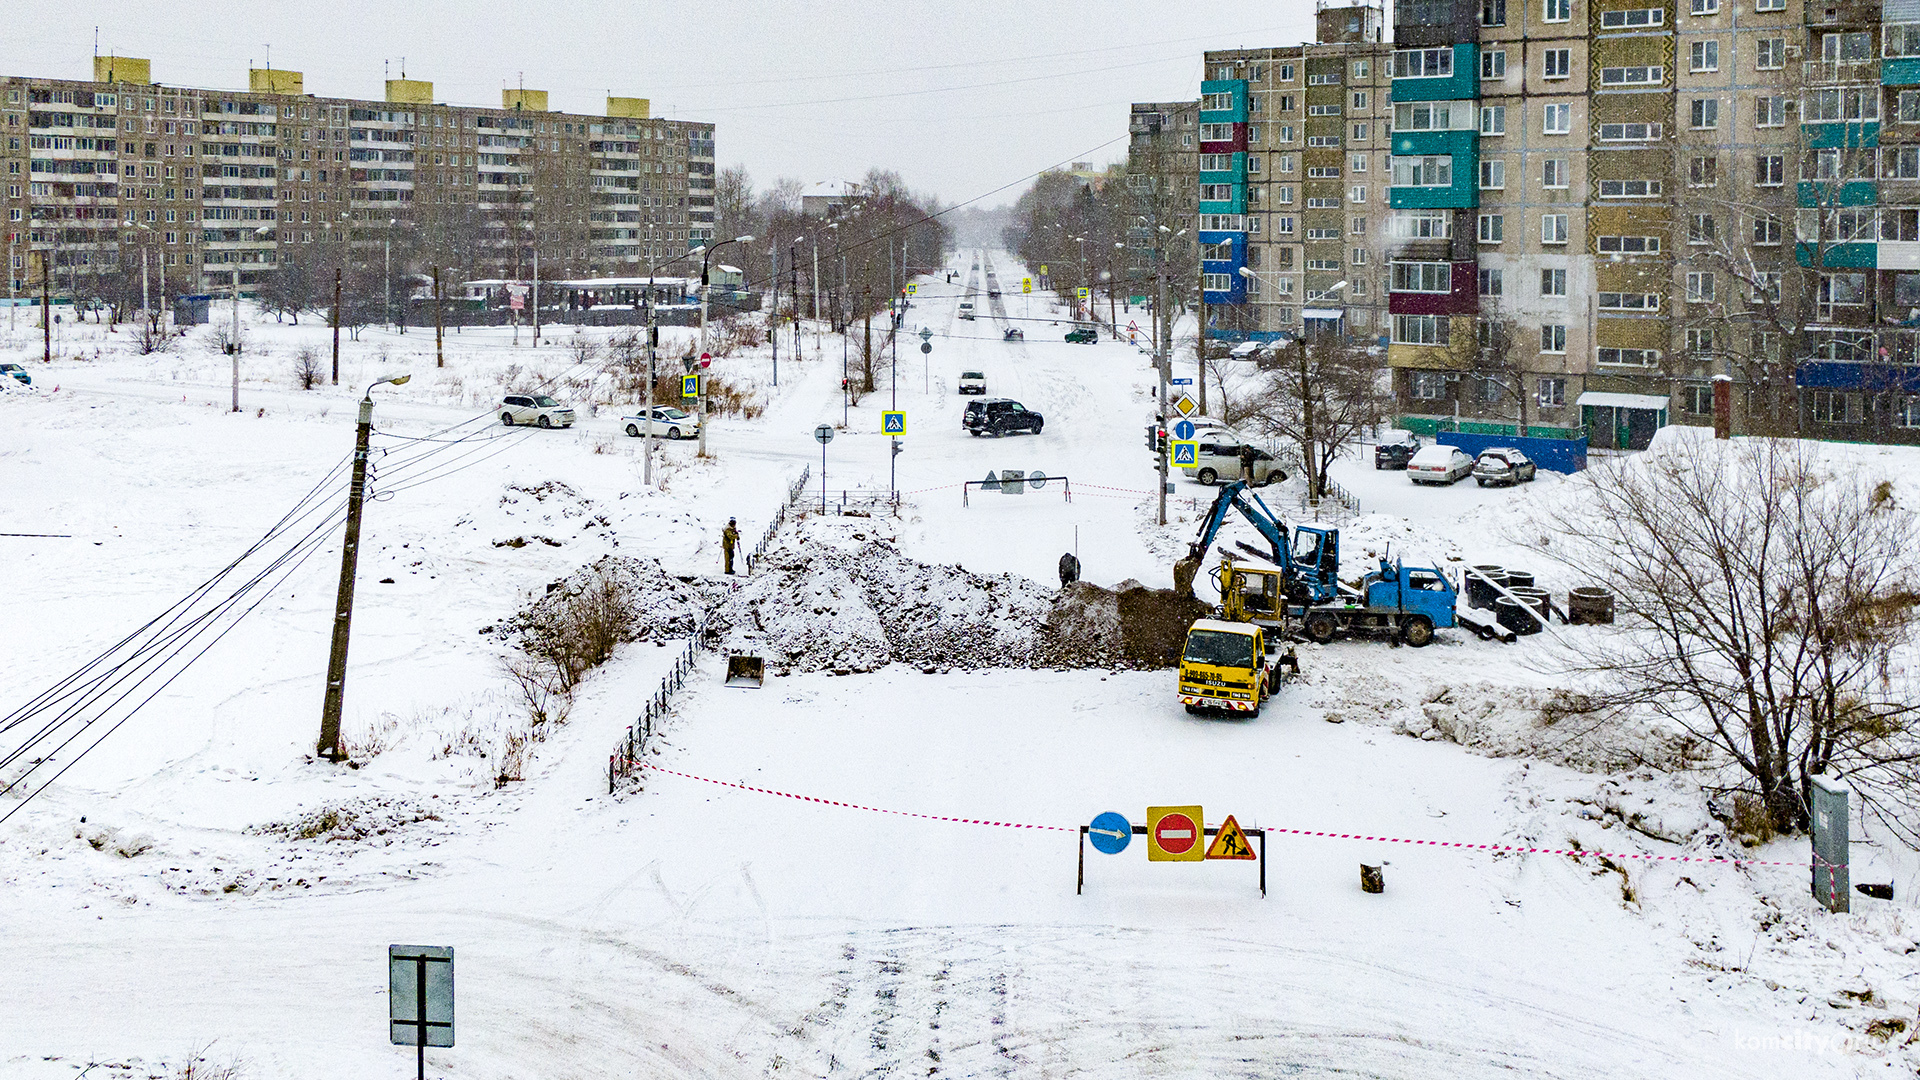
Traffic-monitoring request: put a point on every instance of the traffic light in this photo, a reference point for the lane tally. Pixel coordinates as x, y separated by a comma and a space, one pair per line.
1152, 440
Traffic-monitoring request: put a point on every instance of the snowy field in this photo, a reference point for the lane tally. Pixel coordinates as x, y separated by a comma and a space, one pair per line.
157, 906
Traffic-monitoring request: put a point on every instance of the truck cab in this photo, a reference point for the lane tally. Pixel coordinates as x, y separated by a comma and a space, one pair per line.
1225, 667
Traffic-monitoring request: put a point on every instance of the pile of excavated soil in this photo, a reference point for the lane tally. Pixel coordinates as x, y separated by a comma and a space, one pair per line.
657, 605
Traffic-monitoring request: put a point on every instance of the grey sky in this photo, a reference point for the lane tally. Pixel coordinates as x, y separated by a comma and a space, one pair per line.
814, 91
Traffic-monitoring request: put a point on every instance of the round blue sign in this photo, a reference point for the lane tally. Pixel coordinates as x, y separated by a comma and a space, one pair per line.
1111, 833
1183, 430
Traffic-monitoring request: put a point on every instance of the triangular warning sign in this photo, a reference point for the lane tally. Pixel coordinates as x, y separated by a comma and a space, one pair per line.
992, 482
1230, 842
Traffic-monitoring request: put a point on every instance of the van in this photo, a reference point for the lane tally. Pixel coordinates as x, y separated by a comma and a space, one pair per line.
1217, 458
966, 309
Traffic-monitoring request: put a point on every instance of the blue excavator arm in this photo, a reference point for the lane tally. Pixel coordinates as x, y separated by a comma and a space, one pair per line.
1236, 495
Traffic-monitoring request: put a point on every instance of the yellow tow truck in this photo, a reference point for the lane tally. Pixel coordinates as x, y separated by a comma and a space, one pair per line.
1227, 664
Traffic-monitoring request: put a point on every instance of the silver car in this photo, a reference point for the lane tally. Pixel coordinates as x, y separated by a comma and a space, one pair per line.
534, 409
668, 423
1503, 465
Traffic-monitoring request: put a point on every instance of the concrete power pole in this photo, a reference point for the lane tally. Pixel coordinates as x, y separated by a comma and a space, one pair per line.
336, 326
439, 322
329, 745
1163, 362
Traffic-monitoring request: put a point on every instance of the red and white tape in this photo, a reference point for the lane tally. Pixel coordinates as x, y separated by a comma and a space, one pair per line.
1272, 830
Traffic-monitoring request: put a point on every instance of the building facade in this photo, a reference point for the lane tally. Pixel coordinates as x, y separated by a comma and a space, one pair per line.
1163, 154
209, 181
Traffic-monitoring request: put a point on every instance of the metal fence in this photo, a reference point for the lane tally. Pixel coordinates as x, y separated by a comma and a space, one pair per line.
625, 761
856, 501
794, 491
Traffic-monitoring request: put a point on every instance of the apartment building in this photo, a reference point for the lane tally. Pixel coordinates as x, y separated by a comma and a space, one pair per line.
1163, 191
208, 181
1293, 192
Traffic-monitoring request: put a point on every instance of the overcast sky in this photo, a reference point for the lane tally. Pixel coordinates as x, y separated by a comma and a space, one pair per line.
961, 98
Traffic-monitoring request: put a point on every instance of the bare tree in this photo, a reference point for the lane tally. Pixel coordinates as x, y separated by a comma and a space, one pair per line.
1762, 599
1326, 397
1496, 362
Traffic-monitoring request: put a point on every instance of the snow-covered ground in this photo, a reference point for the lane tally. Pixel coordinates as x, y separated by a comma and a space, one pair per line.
156, 903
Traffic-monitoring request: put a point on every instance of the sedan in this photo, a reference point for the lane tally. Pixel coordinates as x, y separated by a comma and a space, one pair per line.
16, 372
668, 423
1439, 465
1503, 465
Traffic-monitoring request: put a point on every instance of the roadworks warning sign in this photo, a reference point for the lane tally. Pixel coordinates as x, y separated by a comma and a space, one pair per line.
1230, 842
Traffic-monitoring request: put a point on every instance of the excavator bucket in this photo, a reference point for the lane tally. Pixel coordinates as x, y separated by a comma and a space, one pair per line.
747, 671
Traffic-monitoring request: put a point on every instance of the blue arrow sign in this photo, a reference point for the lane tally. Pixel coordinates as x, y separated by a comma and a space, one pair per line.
893, 423
1180, 382
1110, 833
1183, 429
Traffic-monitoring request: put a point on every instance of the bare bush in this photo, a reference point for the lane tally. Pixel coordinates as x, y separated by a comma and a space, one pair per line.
150, 337
1763, 601
307, 369
585, 349
198, 1065
222, 339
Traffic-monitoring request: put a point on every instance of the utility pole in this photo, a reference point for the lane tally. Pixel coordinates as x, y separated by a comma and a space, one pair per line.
793, 269
773, 317
236, 333
329, 746
439, 322
46, 308
1164, 362
536, 296
336, 326
653, 339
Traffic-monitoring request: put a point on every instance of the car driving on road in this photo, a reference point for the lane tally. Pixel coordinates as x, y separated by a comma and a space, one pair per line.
973, 382
1000, 416
17, 373
668, 423
534, 409
1085, 335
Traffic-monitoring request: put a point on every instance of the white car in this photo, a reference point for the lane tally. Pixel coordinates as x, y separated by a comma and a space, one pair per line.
1247, 350
1217, 458
1439, 465
534, 409
973, 382
668, 423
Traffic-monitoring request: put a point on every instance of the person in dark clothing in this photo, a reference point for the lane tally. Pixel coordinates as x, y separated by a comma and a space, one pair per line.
1069, 569
1246, 463
730, 539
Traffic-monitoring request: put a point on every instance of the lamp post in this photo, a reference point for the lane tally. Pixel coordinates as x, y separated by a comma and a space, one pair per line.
329, 746
700, 380
235, 347
386, 283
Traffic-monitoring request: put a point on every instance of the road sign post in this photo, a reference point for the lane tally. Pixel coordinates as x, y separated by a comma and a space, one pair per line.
1170, 828
420, 998
689, 386
824, 433
893, 423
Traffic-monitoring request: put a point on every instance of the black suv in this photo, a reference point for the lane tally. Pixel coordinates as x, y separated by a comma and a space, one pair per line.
999, 416
1395, 454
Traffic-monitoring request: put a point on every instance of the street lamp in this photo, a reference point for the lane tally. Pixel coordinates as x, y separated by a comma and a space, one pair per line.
700, 382
330, 707
386, 284
235, 346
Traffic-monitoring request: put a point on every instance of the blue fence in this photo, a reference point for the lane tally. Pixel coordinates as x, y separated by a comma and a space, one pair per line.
1557, 455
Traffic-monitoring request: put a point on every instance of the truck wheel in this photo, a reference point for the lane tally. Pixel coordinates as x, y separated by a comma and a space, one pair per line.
1320, 626
1207, 476
1417, 631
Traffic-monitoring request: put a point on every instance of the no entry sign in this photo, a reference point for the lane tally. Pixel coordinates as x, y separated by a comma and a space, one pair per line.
1174, 834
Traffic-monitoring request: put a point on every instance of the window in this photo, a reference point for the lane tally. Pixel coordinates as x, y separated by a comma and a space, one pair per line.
1430, 171
1287, 102
1551, 393
1700, 287
1216, 133
1361, 69
1559, 63
1493, 64
1419, 224
1634, 357
1493, 175
1256, 164
1703, 113
1323, 172
1557, 119
1357, 163
1848, 47
1553, 228
1629, 189
1553, 173
1286, 163
1323, 110
1618, 301
1632, 76
1703, 56
1630, 132
1632, 19
1835, 407
1491, 283
1216, 162
1553, 338
1705, 7
1906, 412
1627, 245
1425, 63
1697, 398
1701, 229
1427, 277
1357, 193
1286, 72
1492, 228
1766, 287
1359, 131
1703, 171
1900, 163
1769, 170
1331, 78
1843, 290
1322, 264
1900, 39
1493, 12
1359, 99
1493, 119
1553, 283
1420, 330
1432, 115
1766, 231
1217, 282
1283, 224
1769, 111
1770, 54
1856, 103
1218, 101
1357, 226
1359, 257
1216, 192
1558, 11
1427, 385
1323, 140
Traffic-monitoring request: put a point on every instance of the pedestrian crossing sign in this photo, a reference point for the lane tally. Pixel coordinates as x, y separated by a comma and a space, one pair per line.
912, 289
1230, 842
893, 423
689, 386
1081, 292
1185, 453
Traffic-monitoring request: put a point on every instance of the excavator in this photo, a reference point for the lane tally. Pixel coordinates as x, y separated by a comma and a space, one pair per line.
1307, 564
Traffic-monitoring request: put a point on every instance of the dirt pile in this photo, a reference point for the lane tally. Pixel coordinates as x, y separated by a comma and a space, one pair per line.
656, 606
1128, 625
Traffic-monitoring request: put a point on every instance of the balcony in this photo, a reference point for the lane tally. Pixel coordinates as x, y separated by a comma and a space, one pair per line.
1840, 72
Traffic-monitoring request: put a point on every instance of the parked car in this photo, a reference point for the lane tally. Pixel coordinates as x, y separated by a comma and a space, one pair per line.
999, 416
1218, 457
1247, 350
1084, 335
534, 409
973, 382
1394, 453
1503, 465
19, 373
668, 423
1439, 465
